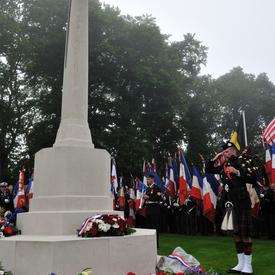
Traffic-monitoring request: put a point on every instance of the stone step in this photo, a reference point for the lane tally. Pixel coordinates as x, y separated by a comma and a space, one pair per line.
69, 255
56, 222
65, 203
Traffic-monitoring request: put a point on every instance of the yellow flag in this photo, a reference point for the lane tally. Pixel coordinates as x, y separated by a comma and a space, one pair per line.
234, 140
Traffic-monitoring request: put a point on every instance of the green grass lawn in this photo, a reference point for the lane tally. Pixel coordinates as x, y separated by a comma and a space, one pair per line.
219, 253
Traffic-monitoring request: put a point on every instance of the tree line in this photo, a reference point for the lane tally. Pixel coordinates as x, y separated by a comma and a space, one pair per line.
146, 94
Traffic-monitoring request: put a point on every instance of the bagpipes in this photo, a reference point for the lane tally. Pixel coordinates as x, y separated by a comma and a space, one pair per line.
251, 165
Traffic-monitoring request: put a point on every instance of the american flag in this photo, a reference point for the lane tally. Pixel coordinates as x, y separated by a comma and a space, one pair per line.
269, 133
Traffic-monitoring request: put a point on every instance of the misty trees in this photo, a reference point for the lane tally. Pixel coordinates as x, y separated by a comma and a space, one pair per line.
16, 97
138, 81
145, 93
139, 89
215, 107
236, 91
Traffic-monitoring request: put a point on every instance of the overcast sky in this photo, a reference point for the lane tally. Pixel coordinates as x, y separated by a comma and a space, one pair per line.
237, 32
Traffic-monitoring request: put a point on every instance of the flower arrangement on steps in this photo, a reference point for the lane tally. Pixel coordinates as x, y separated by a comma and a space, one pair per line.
104, 225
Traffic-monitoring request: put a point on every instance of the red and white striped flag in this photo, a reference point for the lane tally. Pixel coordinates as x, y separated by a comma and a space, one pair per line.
269, 133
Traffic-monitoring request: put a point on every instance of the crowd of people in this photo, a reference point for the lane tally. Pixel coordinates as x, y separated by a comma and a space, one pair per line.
236, 211
188, 218
157, 209
10, 206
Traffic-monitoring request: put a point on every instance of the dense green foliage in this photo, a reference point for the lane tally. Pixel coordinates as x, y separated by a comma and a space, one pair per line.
218, 253
145, 93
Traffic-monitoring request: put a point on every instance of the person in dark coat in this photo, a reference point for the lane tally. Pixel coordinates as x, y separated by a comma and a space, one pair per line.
6, 199
267, 210
152, 200
236, 199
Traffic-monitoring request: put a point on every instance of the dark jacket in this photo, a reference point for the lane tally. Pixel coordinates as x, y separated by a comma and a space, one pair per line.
234, 189
154, 193
6, 200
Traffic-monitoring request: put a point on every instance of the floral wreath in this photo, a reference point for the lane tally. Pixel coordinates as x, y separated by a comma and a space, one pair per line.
104, 225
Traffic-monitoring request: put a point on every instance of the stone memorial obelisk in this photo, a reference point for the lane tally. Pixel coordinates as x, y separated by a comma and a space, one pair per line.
71, 183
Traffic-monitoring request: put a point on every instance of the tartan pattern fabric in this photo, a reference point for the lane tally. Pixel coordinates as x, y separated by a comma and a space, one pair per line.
244, 225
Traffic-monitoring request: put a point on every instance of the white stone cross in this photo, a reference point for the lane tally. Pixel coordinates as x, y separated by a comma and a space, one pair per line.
74, 129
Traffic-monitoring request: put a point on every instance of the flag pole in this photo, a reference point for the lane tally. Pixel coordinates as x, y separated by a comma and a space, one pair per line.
244, 129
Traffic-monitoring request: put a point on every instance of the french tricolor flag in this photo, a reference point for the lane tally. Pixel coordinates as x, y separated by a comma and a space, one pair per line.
273, 168
167, 176
29, 190
197, 185
209, 199
121, 195
145, 172
172, 184
132, 217
183, 186
20, 199
114, 180
141, 188
268, 161
114, 183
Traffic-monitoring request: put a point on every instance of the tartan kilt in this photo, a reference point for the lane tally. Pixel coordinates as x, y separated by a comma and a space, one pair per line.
243, 223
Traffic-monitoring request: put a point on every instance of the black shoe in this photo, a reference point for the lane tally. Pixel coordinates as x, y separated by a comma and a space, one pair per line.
233, 271
245, 273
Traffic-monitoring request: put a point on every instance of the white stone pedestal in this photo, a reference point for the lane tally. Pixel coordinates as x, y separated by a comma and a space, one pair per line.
72, 183
68, 255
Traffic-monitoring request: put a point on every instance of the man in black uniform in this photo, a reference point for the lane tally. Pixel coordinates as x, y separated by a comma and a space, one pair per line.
236, 199
152, 200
